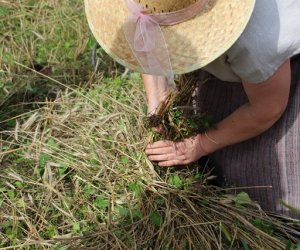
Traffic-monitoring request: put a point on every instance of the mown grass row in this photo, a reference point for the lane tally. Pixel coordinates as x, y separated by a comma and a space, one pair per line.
74, 175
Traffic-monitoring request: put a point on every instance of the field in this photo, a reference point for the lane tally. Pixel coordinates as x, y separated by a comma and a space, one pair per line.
73, 174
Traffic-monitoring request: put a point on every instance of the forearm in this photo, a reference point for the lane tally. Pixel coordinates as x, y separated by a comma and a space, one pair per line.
157, 89
244, 123
239, 126
267, 102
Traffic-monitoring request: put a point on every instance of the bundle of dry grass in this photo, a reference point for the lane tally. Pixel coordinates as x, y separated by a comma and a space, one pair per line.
74, 176
178, 115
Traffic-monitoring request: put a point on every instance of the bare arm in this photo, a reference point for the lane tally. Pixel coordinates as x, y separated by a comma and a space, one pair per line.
267, 102
157, 90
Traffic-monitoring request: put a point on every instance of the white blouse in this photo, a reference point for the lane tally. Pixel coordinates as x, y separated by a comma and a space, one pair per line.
270, 38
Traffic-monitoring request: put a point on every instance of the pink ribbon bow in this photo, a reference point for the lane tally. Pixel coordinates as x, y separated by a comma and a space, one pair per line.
147, 42
146, 39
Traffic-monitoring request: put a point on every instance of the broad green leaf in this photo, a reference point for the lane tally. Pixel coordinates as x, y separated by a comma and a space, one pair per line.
62, 170
11, 194
3, 11
7, 224
76, 227
21, 203
43, 159
88, 189
242, 199
135, 187
101, 202
122, 211
19, 184
137, 213
288, 245
155, 219
51, 231
176, 181
159, 200
245, 245
125, 159
53, 144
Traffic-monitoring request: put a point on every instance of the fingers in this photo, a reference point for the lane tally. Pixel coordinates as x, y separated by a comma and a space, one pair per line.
160, 144
166, 153
164, 147
171, 163
167, 157
159, 151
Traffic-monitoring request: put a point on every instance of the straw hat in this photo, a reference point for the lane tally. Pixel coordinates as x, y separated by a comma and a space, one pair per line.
191, 44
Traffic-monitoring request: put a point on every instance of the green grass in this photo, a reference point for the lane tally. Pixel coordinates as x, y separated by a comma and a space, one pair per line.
43, 32
51, 37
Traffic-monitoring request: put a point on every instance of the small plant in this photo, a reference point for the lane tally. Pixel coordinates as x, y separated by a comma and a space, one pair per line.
178, 116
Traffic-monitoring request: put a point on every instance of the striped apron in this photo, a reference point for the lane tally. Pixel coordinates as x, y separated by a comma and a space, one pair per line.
269, 164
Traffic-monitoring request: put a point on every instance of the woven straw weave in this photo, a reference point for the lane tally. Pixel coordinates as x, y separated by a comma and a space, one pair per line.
191, 44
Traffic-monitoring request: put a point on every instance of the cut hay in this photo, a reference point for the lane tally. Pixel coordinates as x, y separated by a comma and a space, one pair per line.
74, 176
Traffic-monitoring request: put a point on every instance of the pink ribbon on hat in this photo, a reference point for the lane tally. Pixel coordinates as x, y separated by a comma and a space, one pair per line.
146, 39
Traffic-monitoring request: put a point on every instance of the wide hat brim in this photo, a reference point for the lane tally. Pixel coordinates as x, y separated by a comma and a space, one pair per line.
192, 44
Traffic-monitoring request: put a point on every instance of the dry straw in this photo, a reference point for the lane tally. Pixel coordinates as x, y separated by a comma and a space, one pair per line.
85, 183
192, 44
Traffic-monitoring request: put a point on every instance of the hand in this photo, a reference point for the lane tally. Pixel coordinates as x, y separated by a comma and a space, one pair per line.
169, 153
